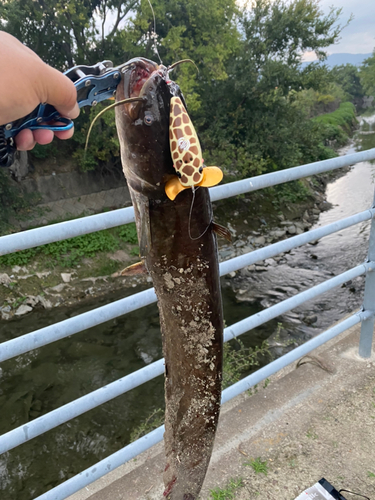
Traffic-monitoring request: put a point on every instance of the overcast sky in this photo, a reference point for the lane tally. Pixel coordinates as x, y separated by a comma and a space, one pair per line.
359, 36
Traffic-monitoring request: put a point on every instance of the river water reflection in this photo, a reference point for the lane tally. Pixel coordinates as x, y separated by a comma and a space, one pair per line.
42, 380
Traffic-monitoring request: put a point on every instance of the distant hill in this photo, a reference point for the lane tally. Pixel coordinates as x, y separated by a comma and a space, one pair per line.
338, 59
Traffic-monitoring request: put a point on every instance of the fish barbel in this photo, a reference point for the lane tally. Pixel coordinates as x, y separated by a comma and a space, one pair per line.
179, 250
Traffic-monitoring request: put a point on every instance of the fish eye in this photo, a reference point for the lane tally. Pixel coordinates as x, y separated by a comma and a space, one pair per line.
148, 119
179, 174
200, 170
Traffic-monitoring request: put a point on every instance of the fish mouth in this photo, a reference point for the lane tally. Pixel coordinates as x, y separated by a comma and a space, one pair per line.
137, 73
141, 70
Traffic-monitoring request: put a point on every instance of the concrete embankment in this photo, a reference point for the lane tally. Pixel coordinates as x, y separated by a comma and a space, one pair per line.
317, 420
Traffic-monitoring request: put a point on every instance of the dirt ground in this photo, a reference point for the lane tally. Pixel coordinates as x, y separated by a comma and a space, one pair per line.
314, 421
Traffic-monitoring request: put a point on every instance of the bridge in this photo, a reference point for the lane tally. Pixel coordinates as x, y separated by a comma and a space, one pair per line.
37, 339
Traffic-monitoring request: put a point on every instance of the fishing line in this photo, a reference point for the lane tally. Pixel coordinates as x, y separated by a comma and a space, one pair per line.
111, 106
155, 35
190, 213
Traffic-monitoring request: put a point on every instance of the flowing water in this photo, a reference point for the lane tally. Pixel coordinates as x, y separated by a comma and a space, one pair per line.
44, 379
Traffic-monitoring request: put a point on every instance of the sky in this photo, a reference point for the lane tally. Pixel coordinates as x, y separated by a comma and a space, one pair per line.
359, 36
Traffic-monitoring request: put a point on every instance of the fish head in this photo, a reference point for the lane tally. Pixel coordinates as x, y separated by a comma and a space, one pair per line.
160, 150
143, 126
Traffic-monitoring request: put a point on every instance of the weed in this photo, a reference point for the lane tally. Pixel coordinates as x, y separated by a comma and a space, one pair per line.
370, 474
228, 492
18, 302
266, 383
258, 466
293, 464
239, 359
152, 422
311, 434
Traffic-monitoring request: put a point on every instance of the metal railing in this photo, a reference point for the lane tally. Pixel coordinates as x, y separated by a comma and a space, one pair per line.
64, 230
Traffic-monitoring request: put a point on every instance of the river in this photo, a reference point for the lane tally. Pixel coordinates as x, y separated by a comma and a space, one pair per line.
44, 379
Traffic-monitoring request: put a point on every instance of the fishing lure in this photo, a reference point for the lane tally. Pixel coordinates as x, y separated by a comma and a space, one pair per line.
187, 154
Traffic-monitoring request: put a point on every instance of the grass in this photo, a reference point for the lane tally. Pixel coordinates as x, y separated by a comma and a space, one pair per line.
152, 422
311, 434
227, 493
70, 252
258, 466
239, 360
337, 126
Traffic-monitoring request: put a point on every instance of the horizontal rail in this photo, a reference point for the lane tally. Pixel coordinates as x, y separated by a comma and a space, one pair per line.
69, 229
81, 405
130, 451
64, 230
288, 358
52, 333
290, 174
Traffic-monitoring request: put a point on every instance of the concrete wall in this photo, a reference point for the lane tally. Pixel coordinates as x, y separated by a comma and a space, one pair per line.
61, 196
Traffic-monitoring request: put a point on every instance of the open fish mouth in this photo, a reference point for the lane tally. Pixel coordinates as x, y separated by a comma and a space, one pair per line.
137, 73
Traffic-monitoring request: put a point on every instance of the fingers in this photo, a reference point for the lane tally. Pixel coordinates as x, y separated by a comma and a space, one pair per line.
60, 91
26, 139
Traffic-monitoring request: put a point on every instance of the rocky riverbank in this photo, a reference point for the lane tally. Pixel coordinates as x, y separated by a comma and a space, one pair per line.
253, 225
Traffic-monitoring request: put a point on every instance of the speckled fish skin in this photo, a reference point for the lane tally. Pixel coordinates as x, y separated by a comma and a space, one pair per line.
185, 274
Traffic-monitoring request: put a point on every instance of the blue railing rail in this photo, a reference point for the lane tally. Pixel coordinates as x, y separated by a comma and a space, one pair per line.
64, 230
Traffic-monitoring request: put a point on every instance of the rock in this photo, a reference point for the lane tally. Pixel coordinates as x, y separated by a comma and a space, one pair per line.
31, 301
58, 288
270, 262
44, 274
299, 230
246, 249
250, 268
16, 269
232, 274
309, 320
239, 243
260, 240
231, 229
4, 279
23, 309
66, 277
291, 229
47, 304
260, 268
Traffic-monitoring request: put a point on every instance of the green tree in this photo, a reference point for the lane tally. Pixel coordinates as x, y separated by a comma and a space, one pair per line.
66, 32
367, 73
348, 77
252, 115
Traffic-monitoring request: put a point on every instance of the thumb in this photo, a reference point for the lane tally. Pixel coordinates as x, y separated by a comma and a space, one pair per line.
60, 92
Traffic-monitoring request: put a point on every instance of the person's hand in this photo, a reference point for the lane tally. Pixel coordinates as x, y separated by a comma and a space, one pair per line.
25, 82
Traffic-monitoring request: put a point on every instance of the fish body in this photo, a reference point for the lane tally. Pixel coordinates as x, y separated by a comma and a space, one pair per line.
179, 250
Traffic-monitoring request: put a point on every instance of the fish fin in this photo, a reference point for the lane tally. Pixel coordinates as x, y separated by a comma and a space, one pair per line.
222, 231
211, 177
133, 270
173, 187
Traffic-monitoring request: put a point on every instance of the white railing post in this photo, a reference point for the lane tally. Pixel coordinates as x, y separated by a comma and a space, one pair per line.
367, 326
